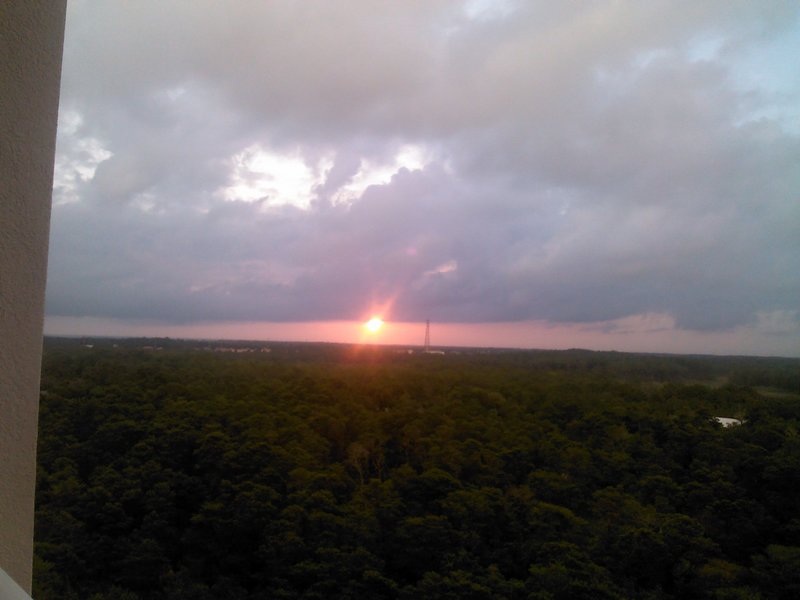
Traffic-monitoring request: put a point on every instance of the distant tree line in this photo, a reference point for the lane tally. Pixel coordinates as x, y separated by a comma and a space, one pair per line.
336, 472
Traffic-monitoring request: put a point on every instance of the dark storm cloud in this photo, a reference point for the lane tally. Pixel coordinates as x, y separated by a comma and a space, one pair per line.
583, 162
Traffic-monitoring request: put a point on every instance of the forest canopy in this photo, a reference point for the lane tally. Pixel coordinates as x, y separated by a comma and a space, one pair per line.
176, 470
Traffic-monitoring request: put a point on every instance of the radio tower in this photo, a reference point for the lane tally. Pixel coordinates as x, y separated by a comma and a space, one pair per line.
427, 336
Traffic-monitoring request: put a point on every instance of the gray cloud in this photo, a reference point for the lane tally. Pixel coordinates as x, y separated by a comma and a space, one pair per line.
582, 162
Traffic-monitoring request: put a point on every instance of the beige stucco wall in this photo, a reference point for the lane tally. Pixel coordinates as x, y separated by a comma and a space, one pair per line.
31, 39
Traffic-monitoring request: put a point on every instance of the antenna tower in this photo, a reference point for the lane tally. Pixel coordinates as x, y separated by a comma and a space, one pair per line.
427, 336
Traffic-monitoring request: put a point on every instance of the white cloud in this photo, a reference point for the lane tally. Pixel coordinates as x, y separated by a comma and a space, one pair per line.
259, 175
410, 157
77, 157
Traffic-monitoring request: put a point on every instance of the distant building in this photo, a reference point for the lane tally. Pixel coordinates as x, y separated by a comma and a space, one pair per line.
728, 421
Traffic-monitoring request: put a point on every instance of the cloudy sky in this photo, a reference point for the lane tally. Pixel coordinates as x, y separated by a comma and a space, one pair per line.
607, 174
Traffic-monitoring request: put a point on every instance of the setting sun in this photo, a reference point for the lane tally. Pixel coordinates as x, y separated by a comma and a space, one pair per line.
374, 324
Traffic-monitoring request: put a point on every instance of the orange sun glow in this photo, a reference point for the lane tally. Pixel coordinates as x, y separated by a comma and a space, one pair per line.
374, 324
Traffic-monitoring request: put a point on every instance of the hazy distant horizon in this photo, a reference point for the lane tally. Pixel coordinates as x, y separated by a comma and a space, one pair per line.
618, 337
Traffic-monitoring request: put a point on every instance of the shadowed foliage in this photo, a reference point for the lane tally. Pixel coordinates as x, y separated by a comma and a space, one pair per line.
317, 471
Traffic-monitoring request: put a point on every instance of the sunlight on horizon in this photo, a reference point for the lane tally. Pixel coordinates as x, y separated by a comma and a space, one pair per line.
642, 333
374, 324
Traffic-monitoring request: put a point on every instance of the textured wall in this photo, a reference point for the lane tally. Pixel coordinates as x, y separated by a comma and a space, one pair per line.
31, 39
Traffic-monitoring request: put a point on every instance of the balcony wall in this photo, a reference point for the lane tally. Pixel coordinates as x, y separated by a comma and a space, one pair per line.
31, 40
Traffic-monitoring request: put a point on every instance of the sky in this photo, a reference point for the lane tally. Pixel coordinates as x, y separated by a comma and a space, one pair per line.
603, 174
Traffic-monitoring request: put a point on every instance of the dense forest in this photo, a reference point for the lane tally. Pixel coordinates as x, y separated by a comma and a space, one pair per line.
169, 470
